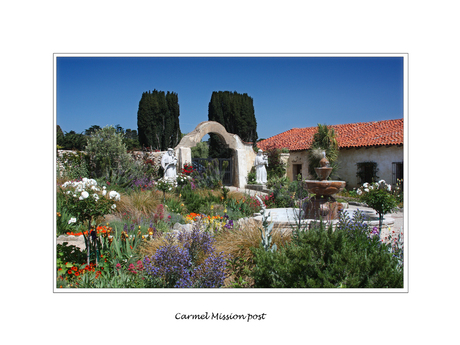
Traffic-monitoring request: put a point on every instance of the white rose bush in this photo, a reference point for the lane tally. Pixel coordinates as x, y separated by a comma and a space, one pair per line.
378, 196
166, 186
87, 202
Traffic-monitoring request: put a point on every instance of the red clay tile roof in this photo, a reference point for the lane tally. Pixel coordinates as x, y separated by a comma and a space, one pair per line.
362, 134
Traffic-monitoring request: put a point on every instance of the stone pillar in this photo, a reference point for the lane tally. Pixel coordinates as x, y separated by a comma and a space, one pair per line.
284, 158
242, 170
184, 156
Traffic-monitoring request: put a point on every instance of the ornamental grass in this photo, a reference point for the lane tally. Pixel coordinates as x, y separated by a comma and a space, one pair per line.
237, 244
149, 246
139, 203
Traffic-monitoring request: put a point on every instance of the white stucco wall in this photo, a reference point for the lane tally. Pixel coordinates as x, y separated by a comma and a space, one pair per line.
297, 157
384, 156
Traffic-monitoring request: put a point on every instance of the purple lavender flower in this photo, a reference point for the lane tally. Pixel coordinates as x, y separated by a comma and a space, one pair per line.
176, 264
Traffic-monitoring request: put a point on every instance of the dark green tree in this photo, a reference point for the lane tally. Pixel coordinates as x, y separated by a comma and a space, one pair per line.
92, 129
60, 138
131, 140
235, 112
158, 120
74, 141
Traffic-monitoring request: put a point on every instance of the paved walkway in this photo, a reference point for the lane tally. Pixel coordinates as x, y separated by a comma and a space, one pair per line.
395, 220
246, 191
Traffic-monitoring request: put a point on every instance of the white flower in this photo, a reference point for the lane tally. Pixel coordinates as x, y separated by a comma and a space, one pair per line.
84, 194
365, 185
72, 220
359, 192
366, 190
389, 187
114, 195
104, 192
96, 197
114, 206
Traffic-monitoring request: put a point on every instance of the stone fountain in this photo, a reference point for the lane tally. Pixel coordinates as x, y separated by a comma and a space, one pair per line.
323, 205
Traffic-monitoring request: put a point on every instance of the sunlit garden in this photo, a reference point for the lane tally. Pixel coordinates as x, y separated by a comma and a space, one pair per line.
143, 230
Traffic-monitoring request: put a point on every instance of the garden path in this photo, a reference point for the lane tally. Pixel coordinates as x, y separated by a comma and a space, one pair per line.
246, 191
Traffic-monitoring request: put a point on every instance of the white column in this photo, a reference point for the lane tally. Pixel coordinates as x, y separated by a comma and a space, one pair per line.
185, 156
242, 171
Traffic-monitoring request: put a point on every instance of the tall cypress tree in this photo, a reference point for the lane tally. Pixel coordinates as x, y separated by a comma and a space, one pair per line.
158, 120
236, 113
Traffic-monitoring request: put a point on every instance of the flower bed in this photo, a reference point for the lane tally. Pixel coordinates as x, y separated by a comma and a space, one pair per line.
130, 242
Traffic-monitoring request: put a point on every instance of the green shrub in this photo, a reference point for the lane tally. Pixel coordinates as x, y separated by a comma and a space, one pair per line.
107, 154
275, 168
323, 258
65, 221
325, 140
285, 192
192, 200
252, 176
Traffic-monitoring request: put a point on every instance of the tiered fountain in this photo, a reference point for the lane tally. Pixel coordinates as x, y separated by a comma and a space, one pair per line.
323, 205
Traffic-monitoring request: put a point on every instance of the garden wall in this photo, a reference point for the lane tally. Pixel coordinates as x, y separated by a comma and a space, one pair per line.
137, 155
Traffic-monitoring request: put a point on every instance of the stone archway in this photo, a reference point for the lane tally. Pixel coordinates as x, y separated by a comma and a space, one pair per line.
244, 154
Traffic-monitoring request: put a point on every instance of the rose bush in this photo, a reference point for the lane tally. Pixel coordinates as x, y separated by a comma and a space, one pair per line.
378, 196
87, 203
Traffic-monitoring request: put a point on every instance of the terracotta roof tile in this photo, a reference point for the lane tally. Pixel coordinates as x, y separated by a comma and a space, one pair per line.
362, 134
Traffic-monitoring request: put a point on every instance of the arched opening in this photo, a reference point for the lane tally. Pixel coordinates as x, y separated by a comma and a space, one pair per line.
218, 161
241, 152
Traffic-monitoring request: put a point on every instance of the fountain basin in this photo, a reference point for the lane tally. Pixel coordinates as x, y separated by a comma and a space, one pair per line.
323, 172
325, 188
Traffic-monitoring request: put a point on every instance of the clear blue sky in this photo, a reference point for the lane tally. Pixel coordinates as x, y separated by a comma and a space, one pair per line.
288, 91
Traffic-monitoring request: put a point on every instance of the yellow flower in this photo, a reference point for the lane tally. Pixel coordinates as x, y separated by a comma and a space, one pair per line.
225, 211
212, 207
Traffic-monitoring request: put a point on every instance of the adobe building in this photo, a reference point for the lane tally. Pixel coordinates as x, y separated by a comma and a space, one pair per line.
367, 148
